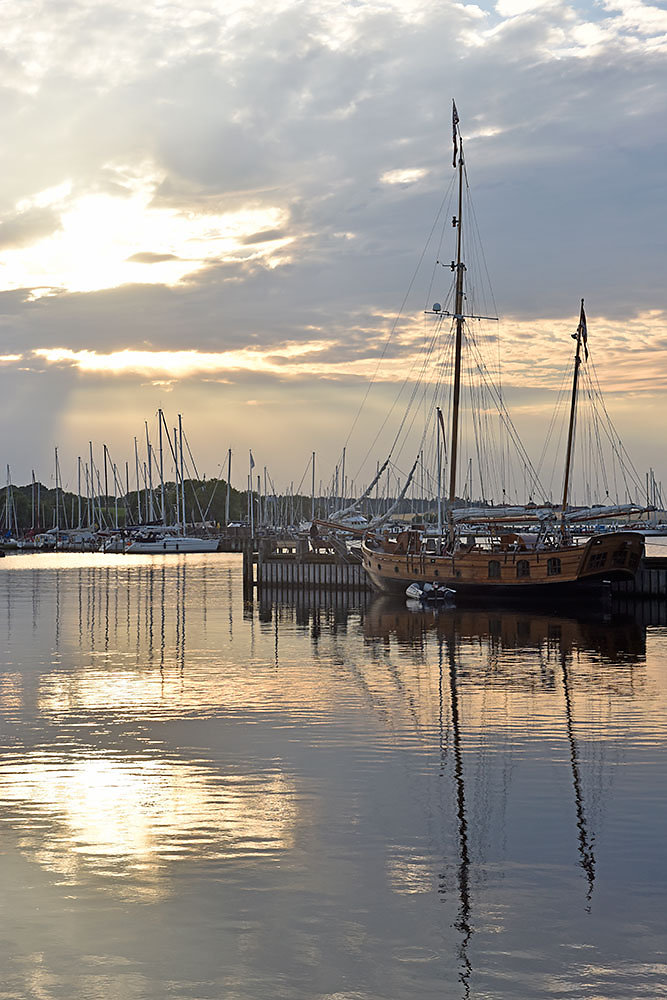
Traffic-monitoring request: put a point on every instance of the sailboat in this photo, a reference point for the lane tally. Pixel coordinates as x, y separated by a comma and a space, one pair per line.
482, 551
163, 539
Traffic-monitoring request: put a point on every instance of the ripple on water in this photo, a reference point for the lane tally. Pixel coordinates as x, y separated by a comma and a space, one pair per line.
323, 797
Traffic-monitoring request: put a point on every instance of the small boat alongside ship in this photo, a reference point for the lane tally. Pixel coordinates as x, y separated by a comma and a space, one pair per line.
430, 593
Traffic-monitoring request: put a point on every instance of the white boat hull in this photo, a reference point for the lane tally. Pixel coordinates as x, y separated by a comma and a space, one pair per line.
174, 543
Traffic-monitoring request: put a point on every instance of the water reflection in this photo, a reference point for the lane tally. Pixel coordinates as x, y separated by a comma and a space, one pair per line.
135, 815
420, 799
463, 920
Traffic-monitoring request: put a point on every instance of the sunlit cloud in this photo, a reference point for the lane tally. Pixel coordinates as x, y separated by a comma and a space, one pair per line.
630, 356
184, 363
233, 174
103, 240
407, 176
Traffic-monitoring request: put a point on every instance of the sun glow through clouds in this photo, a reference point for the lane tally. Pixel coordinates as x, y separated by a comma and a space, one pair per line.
181, 363
104, 240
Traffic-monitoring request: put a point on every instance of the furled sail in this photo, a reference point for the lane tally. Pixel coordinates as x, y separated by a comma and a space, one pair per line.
378, 521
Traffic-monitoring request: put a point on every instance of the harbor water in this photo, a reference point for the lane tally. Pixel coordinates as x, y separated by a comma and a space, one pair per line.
323, 796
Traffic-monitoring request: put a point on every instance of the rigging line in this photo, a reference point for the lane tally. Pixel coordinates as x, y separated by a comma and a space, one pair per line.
446, 199
305, 473
217, 483
554, 415
480, 245
396, 319
477, 419
419, 447
194, 468
406, 381
618, 450
483, 432
611, 431
600, 397
507, 420
419, 382
589, 389
416, 381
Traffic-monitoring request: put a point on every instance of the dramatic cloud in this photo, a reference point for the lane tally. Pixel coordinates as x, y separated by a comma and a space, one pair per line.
240, 193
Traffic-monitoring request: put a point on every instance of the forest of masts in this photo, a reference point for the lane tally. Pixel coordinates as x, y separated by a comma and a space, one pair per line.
162, 485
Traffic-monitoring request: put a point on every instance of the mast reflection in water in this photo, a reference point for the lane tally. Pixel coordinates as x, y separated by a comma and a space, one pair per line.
319, 796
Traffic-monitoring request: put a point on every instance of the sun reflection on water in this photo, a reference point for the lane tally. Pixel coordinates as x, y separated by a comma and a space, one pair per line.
370, 787
141, 815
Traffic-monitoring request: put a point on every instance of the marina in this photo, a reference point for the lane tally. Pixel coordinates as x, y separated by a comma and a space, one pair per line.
333, 537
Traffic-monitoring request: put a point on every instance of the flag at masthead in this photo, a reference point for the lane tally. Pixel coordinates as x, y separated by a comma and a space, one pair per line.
455, 122
582, 331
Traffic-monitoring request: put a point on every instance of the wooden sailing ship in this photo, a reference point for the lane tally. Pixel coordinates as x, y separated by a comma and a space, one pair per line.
501, 561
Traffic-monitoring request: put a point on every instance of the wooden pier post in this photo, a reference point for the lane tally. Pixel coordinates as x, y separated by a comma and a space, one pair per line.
248, 564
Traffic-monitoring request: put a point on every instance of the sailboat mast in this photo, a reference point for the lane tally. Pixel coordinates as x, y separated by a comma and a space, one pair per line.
229, 485
458, 313
159, 424
573, 408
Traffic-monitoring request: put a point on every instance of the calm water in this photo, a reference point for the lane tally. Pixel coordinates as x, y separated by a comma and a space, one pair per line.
322, 797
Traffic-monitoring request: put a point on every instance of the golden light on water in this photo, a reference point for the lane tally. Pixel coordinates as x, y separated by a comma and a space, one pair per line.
409, 873
144, 813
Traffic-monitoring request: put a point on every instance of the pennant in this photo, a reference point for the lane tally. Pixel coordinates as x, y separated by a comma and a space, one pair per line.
581, 329
252, 461
455, 122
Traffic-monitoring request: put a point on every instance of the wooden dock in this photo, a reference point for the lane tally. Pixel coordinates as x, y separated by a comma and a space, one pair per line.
290, 564
650, 581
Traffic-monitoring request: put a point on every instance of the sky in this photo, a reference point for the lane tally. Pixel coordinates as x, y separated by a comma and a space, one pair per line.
216, 209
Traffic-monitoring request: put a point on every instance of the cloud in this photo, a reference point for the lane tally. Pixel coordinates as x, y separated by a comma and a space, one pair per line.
27, 228
231, 177
148, 257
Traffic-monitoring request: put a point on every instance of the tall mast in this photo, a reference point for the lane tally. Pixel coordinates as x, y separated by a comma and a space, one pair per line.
180, 439
439, 459
92, 484
8, 517
159, 424
57, 524
149, 453
115, 497
312, 493
136, 474
229, 484
458, 314
78, 488
581, 333
106, 479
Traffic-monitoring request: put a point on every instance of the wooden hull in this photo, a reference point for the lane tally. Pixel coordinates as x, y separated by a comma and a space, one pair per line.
503, 572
